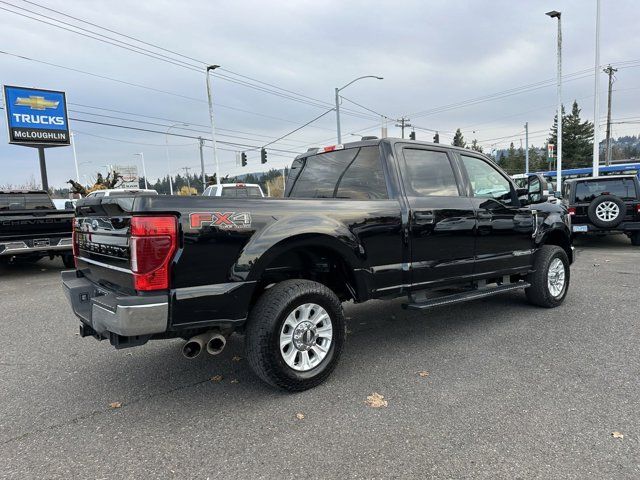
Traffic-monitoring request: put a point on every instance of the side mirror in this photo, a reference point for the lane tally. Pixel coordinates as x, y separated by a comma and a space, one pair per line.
537, 189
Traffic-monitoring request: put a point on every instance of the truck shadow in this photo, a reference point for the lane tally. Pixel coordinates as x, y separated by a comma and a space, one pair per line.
379, 334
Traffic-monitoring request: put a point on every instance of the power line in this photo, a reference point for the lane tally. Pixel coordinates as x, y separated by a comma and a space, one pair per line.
165, 49
299, 128
157, 56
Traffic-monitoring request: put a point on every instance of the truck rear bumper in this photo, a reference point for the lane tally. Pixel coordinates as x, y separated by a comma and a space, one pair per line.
106, 311
43, 246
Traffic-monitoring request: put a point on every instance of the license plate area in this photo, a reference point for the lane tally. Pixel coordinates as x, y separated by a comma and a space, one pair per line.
41, 242
580, 228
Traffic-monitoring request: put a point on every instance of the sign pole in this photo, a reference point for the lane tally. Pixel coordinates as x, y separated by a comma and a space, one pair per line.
43, 169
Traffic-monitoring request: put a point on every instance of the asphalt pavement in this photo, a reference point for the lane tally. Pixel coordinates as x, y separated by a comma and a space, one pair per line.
495, 388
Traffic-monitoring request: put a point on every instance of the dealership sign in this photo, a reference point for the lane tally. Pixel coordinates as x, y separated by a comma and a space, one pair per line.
36, 117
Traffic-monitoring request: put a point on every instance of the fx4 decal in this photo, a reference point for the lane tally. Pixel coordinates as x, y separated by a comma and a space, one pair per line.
223, 220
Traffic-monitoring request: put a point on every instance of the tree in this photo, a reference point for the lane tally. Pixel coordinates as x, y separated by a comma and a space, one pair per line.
458, 140
577, 138
475, 146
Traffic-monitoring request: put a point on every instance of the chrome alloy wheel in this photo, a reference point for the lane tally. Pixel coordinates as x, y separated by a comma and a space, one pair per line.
305, 337
607, 211
556, 278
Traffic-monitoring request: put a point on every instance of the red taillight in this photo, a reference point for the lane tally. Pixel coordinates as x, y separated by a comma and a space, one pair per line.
153, 243
572, 210
638, 208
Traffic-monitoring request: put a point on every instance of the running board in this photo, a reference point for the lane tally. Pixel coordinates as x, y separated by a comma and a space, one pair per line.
466, 296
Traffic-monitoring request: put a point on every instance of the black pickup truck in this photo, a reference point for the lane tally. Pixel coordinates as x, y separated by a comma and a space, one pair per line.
375, 219
32, 228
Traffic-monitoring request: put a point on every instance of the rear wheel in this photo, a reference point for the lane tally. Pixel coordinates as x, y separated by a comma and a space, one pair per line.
295, 334
635, 238
550, 278
606, 211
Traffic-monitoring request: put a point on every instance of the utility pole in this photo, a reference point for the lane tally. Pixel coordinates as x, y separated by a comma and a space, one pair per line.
204, 178
213, 126
404, 123
75, 155
558, 15
596, 98
186, 172
607, 152
526, 147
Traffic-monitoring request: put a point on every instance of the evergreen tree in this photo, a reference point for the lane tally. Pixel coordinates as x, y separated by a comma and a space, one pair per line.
577, 138
475, 146
458, 140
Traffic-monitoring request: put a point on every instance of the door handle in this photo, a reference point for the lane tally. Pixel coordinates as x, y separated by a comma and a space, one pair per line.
426, 216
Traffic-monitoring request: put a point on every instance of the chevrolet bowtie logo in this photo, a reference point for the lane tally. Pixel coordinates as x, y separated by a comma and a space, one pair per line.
36, 102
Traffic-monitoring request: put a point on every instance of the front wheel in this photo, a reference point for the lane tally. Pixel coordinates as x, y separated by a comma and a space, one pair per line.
550, 277
295, 334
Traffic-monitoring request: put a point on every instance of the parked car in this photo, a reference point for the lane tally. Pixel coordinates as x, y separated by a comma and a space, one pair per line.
235, 190
32, 228
608, 204
121, 192
64, 203
375, 219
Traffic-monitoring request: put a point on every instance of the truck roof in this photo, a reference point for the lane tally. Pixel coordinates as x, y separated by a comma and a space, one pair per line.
603, 177
373, 142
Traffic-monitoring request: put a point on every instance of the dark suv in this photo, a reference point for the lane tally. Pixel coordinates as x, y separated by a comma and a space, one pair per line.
604, 204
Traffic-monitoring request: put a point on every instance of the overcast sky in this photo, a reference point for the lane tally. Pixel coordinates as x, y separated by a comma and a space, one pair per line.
431, 54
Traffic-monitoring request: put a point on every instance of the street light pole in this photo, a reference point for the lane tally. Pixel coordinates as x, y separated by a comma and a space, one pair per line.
166, 142
213, 128
75, 155
596, 98
556, 14
337, 91
144, 169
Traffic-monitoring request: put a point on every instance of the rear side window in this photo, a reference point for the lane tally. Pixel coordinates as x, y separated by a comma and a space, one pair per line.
26, 202
620, 187
355, 173
364, 179
239, 192
428, 173
320, 173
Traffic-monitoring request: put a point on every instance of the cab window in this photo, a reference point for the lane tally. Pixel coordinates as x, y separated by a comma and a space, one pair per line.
428, 173
486, 181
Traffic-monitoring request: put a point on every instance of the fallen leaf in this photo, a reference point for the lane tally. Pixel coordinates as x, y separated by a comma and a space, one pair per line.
300, 416
617, 435
423, 373
236, 359
596, 264
375, 400
235, 380
115, 405
217, 378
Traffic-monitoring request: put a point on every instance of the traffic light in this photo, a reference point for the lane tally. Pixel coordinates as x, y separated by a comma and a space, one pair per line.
243, 156
263, 155
436, 138
412, 135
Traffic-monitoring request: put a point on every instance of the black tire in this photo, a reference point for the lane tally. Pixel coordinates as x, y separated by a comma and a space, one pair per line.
635, 238
597, 221
538, 293
266, 321
68, 261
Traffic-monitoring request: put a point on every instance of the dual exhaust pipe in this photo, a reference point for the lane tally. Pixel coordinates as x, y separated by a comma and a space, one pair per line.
213, 342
